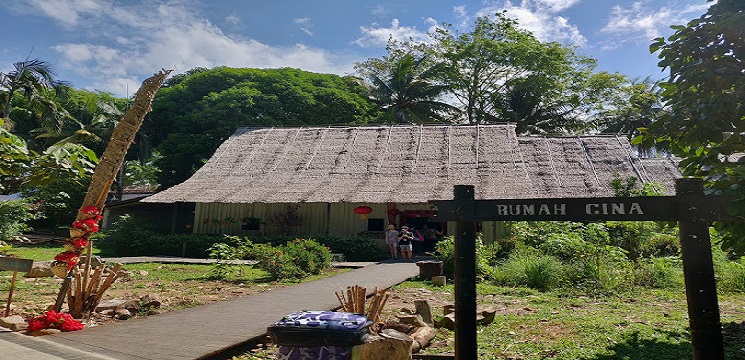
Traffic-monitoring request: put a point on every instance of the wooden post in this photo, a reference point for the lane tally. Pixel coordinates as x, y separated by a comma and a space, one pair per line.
698, 270
10, 293
465, 276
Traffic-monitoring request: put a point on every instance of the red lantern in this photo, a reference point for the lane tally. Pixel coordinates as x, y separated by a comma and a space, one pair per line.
362, 211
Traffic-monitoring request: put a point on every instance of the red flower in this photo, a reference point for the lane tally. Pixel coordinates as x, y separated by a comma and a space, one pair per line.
79, 243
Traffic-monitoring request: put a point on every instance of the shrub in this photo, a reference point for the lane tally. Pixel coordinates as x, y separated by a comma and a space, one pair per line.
732, 276
133, 236
13, 215
603, 268
445, 250
524, 268
564, 246
662, 272
294, 260
308, 255
356, 247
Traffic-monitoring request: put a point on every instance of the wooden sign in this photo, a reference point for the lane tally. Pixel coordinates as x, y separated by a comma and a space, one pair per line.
14, 264
654, 208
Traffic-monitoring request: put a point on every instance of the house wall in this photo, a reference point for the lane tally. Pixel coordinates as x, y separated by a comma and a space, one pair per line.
336, 219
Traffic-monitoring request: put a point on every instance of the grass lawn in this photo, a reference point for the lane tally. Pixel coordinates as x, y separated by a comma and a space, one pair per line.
644, 324
647, 324
178, 285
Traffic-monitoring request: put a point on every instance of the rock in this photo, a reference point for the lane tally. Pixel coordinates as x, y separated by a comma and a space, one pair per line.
110, 304
486, 317
122, 314
408, 311
133, 306
429, 268
447, 321
447, 309
439, 280
143, 272
46, 332
391, 344
14, 323
150, 300
415, 320
424, 310
40, 269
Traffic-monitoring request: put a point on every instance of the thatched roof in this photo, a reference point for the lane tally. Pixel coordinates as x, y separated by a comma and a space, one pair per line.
410, 164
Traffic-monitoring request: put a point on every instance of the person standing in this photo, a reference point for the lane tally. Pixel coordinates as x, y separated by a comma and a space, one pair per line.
404, 241
391, 238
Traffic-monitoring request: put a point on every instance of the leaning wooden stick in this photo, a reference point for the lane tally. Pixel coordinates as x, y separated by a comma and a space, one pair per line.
89, 215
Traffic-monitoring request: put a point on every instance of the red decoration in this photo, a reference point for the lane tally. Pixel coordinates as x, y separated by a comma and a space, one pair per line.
54, 320
362, 211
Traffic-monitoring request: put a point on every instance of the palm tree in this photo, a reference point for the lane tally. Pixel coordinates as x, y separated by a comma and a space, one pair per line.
407, 92
32, 78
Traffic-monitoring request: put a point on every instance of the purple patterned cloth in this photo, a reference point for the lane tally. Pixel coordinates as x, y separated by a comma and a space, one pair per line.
315, 353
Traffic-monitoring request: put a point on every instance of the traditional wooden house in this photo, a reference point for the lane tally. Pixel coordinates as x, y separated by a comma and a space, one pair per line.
316, 181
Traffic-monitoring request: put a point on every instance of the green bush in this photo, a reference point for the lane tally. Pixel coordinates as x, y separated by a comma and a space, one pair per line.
445, 250
134, 236
524, 268
662, 272
356, 247
295, 260
603, 268
13, 217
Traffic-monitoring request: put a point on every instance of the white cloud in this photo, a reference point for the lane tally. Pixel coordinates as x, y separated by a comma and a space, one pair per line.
375, 35
541, 18
640, 23
123, 45
305, 25
232, 19
555, 5
68, 12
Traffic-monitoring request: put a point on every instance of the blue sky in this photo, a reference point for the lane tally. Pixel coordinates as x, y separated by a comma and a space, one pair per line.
112, 45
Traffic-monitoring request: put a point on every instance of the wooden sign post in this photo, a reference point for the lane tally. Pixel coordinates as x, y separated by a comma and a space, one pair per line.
689, 207
14, 265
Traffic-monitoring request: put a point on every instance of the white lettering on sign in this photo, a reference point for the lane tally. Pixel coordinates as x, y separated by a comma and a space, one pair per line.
613, 209
529, 209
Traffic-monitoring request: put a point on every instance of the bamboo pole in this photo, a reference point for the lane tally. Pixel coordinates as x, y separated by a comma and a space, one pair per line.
101, 180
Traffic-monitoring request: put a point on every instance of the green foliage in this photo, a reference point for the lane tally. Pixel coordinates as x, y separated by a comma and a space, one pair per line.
407, 91
296, 259
485, 257
705, 97
355, 247
224, 253
13, 217
531, 269
195, 114
660, 272
630, 187
134, 236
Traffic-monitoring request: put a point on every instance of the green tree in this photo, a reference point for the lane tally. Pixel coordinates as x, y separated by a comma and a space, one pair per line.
408, 93
193, 116
705, 93
635, 108
30, 79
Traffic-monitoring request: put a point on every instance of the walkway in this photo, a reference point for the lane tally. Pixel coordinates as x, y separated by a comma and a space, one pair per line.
207, 330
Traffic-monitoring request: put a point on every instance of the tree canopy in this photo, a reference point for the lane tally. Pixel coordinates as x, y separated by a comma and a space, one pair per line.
194, 114
705, 94
496, 72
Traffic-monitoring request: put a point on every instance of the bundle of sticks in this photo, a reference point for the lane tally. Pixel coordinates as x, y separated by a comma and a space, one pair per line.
353, 300
88, 289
